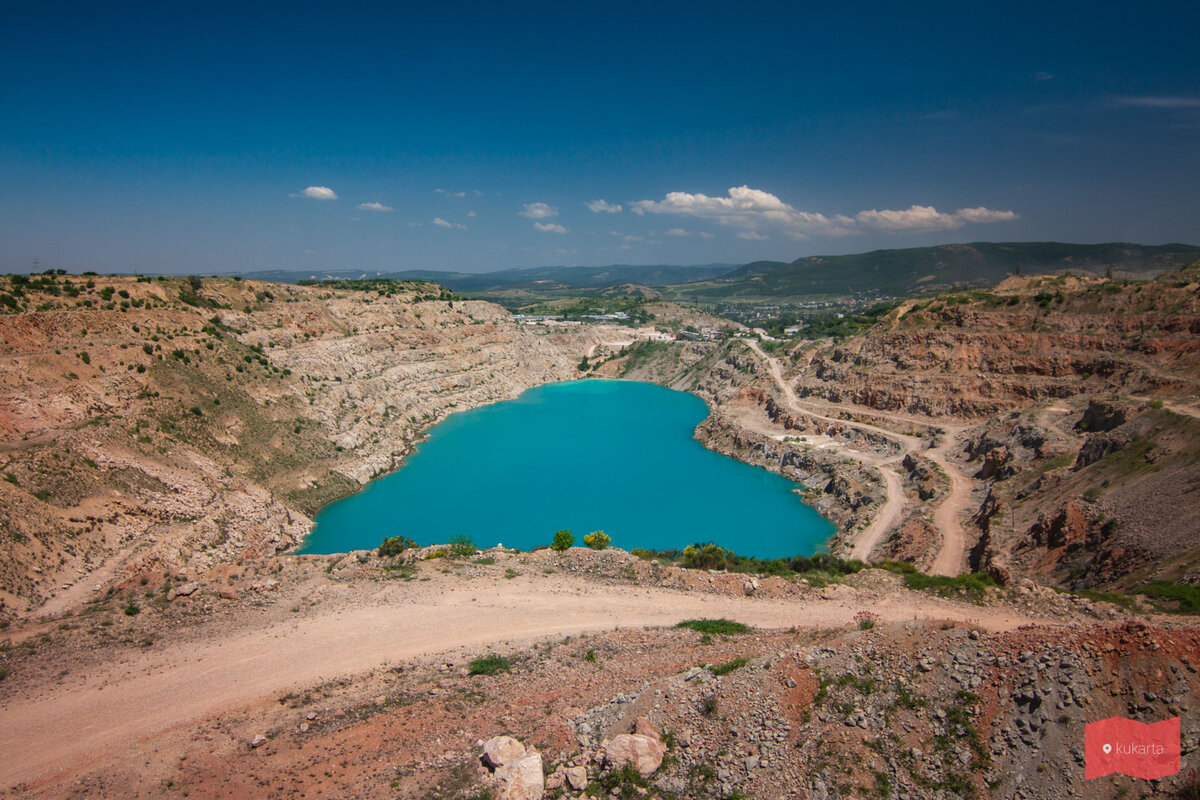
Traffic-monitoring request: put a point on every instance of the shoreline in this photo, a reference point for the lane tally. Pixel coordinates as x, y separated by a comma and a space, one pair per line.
801, 491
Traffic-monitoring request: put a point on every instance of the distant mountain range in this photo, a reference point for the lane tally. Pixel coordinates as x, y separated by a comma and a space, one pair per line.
919, 269
524, 277
880, 272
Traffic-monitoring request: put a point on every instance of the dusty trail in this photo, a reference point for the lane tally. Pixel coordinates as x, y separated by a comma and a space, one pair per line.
951, 555
107, 707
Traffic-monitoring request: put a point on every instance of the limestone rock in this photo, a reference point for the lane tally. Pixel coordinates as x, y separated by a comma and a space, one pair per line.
501, 750
638, 751
576, 778
646, 727
523, 778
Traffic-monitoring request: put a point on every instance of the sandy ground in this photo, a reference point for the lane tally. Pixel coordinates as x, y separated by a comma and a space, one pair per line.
81, 719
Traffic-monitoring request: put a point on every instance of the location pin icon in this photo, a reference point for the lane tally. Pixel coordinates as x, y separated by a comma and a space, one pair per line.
1107, 749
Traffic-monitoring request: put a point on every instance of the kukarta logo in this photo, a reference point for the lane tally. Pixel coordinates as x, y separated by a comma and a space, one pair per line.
1136, 749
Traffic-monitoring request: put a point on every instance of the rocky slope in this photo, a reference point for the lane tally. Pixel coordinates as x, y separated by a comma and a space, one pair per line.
928, 698
167, 422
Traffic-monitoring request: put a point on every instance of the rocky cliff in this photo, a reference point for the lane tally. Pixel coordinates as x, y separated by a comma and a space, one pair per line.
172, 422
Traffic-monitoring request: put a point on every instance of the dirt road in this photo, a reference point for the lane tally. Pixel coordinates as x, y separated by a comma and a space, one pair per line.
951, 554
106, 708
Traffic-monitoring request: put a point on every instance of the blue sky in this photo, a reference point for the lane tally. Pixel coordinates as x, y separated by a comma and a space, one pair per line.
197, 137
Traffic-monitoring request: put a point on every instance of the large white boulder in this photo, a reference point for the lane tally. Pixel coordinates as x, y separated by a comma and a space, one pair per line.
501, 750
523, 779
643, 753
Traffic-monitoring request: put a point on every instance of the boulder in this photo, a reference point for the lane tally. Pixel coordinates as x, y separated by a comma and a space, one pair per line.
523, 778
576, 778
501, 750
258, 741
646, 727
637, 750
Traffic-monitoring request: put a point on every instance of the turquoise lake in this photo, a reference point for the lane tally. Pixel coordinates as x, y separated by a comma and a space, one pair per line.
584, 455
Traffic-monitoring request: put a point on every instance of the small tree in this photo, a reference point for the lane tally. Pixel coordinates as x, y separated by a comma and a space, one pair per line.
597, 540
462, 547
563, 540
395, 545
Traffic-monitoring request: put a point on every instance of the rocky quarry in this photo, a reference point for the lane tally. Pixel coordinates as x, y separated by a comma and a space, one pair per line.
166, 442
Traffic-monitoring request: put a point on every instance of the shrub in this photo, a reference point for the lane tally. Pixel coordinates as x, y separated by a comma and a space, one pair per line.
866, 620
722, 627
704, 556
131, 608
489, 665
972, 585
462, 547
563, 540
597, 540
395, 545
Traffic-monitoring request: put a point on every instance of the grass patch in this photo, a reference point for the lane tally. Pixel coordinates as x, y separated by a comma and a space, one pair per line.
718, 627
729, 666
1181, 597
489, 665
972, 586
486, 561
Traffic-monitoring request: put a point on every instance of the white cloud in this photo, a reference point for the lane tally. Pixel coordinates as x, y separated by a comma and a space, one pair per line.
441, 223
706, 235
374, 207
472, 214
549, 227
754, 209
753, 236
914, 218
985, 215
449, 194
538, 211
632, 238
603, 207
928, 218
317, 193
1158, 101
678, 232
743, 207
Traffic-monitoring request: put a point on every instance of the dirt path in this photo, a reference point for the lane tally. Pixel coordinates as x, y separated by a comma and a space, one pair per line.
885, 517
101, 709
951, 558
947, 516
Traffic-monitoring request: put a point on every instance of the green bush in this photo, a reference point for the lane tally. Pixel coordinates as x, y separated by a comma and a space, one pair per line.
462, 547
722, 627
489, 665
395, 545
597, 540
563, 540
704, 556
972, 585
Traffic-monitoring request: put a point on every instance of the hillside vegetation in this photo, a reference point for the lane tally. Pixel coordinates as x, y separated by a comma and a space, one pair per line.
896, 273
156, 423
